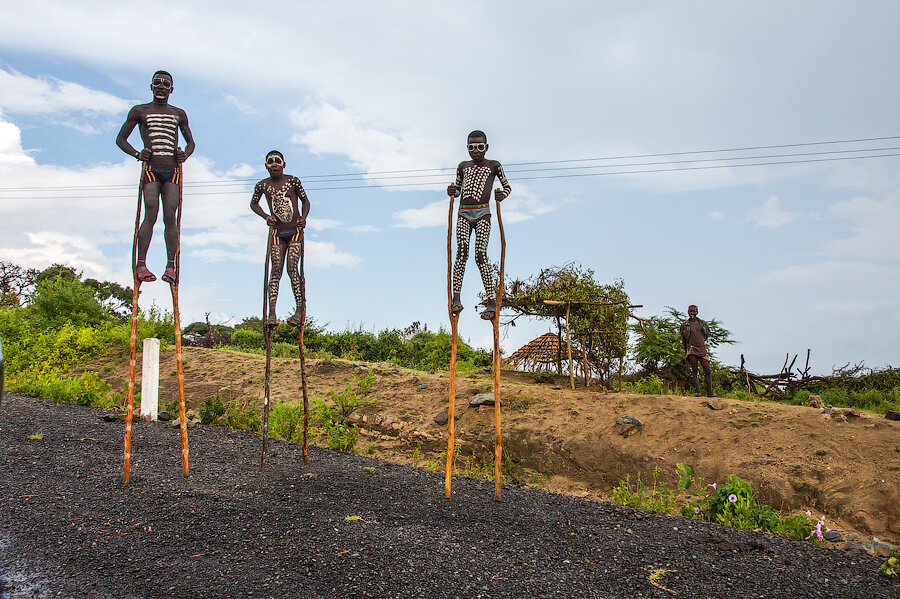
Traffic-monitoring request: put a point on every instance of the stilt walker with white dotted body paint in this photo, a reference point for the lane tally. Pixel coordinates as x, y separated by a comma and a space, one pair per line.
161, 179
286, 218
474, 180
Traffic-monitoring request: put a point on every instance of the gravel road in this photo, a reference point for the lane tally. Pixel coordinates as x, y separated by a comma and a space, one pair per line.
346, 526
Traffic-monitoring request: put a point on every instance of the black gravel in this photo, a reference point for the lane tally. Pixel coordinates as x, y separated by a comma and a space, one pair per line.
346, 526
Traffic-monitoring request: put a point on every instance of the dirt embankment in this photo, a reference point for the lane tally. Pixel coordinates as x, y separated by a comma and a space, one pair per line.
796, 457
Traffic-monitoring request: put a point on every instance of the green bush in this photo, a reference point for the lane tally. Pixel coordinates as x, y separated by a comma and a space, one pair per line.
658, 497
649, 385
85, 390
286, 422
333, 421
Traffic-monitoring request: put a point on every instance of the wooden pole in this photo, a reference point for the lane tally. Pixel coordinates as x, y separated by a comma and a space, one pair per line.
267, 334
569, 347
303, 350
179, 358
454, 321
498, 445
129, 416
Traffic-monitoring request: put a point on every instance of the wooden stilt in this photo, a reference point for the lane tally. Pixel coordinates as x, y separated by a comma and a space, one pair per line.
498, 444
454, 321
303, 350
569, 347
129, 413
267, 333
179, 357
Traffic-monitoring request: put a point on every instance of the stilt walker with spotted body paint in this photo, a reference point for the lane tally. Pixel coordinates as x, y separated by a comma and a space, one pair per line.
288, 208
161, 179
474, 180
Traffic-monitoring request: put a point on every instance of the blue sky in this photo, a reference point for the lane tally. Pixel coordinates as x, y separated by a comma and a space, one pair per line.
788, 257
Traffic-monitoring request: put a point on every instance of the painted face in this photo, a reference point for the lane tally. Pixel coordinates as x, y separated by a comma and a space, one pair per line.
274, 164
477, 147
692, 311
161, 86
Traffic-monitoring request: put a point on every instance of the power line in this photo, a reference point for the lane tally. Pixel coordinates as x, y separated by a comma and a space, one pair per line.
560, 176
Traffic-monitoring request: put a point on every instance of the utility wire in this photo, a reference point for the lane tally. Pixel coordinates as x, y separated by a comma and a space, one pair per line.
373, 177
560, 176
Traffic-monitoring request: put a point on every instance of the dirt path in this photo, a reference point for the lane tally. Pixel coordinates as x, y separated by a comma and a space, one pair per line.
796, 457
346, 526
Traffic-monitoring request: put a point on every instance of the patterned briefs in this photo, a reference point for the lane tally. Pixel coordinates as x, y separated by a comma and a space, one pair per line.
288, 235
475, 212
162, 174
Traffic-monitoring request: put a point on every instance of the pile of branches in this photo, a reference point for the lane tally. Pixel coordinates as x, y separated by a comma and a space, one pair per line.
780, 384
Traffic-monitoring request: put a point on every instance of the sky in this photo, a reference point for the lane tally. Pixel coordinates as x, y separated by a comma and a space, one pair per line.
790, 247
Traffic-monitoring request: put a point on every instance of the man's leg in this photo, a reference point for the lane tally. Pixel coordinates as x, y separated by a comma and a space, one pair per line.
463, 233
170, 218
695, 378
293, 268
150, 192
707, 376
482, 237
278, 251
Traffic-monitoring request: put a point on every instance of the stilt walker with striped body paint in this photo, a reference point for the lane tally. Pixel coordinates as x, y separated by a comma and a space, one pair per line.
474, 180
288, 208
161, 182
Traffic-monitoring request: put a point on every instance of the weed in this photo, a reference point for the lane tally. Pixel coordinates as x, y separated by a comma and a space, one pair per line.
369, 469
821, 452
891, 566
658, 497
353, 519
35, 436
334, 422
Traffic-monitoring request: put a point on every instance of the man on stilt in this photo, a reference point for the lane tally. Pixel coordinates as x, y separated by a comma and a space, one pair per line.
694, 333
288, 208
474, 179
159, 123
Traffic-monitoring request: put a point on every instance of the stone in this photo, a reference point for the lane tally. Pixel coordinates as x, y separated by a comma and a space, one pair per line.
846, 412
892, 415
854, 547
833, 536
482, 399
882, 548
421, 387
815, 401
629, 420
109, 417
556, 387
713, 404
164, 416
442, 417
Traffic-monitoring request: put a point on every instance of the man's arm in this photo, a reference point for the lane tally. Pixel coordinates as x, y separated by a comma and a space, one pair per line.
502, 194
188, 138
454, 189
122, 138
255, 207
304, 204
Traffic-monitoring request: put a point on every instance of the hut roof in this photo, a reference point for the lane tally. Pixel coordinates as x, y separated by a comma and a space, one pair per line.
543, 349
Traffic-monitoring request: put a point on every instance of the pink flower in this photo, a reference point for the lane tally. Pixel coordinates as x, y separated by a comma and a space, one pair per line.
732, 498
714, 485
809, 513
696, 510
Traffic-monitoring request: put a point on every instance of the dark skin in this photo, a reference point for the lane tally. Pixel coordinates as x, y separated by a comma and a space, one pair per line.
277, 180
161, 86
478, 159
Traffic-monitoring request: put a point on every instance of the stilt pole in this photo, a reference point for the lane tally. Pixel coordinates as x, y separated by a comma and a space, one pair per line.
569, 347
179, 356
129, 416
498, 444
454, 321
267, 333
303, 351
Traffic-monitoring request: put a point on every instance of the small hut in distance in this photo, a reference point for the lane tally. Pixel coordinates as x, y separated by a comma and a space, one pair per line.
543, 354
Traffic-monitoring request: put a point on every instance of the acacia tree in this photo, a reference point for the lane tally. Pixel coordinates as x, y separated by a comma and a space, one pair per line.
599, 332
16, 283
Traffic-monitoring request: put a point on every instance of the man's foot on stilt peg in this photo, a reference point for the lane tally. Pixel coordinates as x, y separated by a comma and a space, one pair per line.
296, 319
170, 276
490, 309
144, 275
272, 321
456, 305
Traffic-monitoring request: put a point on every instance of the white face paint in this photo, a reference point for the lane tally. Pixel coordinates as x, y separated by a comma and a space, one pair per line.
274, 160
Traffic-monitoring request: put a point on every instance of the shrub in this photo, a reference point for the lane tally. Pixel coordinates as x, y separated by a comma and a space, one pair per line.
85, 390
334, 420
286, 422
658, 498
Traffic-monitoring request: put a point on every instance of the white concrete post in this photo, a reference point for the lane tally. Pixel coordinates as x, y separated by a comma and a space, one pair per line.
150, 379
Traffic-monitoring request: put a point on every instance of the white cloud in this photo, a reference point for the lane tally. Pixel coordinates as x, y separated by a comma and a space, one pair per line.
771, 216
240, 171
851, 275
874, 225
242, 107
47, 95
433, 214
717, 215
